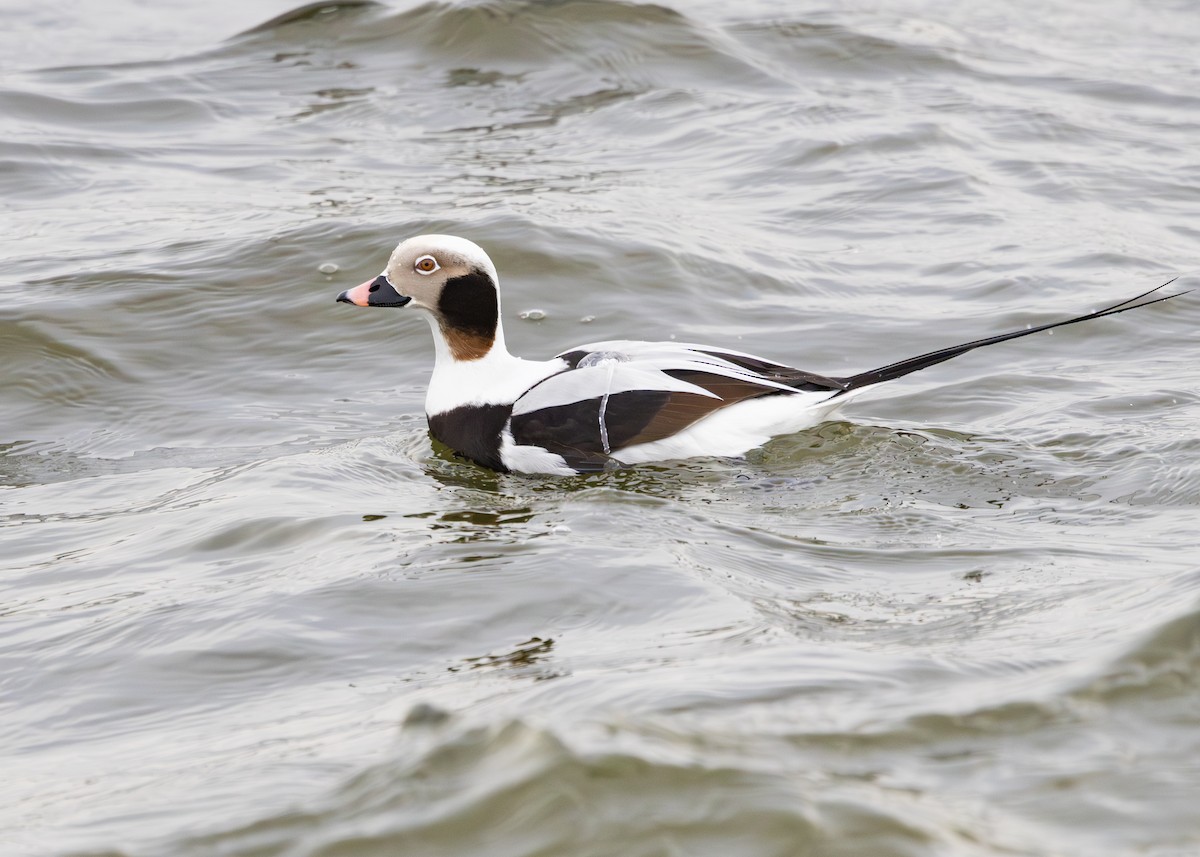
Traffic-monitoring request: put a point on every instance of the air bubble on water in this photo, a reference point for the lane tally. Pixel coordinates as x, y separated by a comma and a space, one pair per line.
327, 268
533, 314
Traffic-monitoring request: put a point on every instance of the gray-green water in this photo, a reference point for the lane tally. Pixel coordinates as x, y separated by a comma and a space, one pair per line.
247, 609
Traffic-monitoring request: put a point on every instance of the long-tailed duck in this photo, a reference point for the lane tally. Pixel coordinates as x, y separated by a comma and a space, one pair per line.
606, 404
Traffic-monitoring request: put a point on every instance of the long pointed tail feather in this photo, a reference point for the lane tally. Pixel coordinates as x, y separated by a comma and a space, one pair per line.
923, 361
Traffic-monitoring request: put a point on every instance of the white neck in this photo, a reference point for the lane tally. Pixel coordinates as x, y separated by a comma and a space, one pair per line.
496, 378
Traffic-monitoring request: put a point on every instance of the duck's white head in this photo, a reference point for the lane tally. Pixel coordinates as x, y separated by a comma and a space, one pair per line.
448, 277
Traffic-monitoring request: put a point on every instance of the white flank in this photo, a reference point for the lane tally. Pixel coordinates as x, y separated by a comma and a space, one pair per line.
739, 428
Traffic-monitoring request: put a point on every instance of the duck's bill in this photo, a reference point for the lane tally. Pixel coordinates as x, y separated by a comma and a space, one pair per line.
376, 292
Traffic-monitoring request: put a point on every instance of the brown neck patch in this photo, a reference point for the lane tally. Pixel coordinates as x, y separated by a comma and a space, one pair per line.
466, 344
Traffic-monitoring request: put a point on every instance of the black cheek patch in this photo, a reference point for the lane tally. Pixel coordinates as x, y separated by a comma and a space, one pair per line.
470, 304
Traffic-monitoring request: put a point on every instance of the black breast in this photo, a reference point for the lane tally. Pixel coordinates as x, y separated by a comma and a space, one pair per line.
473, 431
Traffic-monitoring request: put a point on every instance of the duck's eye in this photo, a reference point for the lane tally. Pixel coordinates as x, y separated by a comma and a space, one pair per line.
426, 265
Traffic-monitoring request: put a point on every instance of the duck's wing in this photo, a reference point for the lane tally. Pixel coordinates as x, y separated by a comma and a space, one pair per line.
727, 358
617, 394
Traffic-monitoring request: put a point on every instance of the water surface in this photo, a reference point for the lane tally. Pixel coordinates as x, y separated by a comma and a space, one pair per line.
250, 609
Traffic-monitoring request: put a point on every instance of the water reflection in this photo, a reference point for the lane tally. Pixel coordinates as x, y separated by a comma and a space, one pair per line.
528, 660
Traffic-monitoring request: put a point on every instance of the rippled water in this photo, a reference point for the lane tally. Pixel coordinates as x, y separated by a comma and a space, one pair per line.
249, 609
